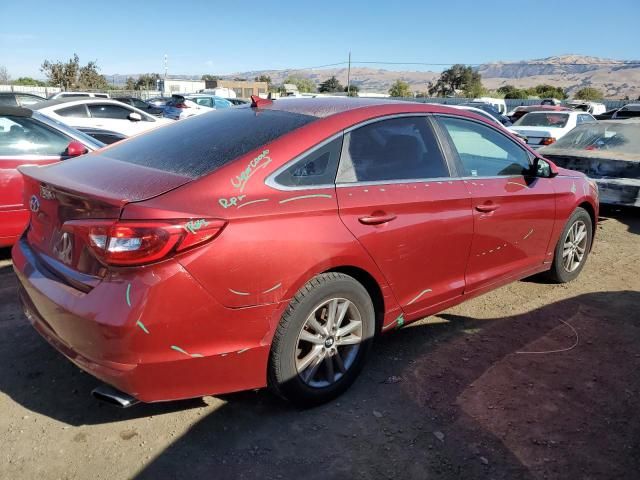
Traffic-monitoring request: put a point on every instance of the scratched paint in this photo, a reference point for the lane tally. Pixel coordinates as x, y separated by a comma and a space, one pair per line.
194, 225
231, 202
303, 197
528, 234
252, 202
261, 161
193, 355
428, 290
242, 351
398, 322
141, 325
129, 294
275, 287
238, 292
517, 183
573, 187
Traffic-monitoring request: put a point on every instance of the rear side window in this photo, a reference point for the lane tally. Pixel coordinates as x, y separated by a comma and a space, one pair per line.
394, 149
109, 111
203, 143
314, 169
483, 151
26, 136
75, 111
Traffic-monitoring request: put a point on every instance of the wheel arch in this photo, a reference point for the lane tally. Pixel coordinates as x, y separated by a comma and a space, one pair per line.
370, 284
594, 221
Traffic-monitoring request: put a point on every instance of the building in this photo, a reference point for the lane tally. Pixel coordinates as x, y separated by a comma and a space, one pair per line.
243, 88
181, 86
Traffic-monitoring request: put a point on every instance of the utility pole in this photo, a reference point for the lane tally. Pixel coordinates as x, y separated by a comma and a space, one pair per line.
349, 76
166, 66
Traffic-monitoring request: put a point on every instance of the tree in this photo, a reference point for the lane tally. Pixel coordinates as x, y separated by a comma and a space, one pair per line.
589, 93
264, 78
304, 85
400, 89
458, 77
547, 91
509, 91
89, 78
209, 78
352, 90
331, 85
62, 74
147, 81
29, 82
4, 75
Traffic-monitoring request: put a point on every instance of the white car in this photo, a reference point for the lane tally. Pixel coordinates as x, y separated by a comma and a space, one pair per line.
546, 127
491, 118
100, 113
185, 106
55, 96
498, 103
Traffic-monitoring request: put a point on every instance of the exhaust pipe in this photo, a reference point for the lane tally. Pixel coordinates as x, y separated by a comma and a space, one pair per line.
113, 396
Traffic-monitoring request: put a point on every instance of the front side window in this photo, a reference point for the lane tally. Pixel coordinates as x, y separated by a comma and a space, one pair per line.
75, 111
139, 104
115, 112
204, 101
483, 151
395, 149
26, 136
317, 168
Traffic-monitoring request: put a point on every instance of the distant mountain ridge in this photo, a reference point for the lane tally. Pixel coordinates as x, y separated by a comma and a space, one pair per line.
616, 78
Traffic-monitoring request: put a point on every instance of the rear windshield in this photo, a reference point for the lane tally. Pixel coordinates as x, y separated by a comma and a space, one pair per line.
619, 136
543, 119
199, 145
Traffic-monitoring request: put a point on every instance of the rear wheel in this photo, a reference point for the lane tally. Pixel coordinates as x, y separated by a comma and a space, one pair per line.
322, 341
572, 248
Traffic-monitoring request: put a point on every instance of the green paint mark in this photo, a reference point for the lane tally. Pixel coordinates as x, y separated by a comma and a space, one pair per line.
194, 225
178, 349
194, 355
302, 197
141, 325
129, 294
400, 321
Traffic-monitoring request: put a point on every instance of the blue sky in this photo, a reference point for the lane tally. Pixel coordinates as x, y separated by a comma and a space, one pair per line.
224, 37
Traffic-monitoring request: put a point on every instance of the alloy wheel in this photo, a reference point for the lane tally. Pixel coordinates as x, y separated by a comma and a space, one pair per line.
575, 246
328, 343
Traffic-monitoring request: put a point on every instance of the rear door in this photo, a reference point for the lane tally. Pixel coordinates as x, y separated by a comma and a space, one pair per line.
397, 195
116, 118
513, 211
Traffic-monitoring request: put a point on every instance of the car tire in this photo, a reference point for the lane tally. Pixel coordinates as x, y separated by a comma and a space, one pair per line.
308, 313
565, 266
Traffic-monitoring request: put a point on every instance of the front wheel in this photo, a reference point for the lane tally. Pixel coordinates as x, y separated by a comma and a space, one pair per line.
573, 247
322, 341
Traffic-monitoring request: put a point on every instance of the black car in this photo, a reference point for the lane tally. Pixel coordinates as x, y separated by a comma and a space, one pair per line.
105, 136
630, 110
19, 99
141, 105
485, 107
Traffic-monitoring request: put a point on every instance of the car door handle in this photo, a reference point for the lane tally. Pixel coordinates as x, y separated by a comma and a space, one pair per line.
376, 219
487, 207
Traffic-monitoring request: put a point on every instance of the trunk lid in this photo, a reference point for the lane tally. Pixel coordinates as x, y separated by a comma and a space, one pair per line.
536, 134
90, 187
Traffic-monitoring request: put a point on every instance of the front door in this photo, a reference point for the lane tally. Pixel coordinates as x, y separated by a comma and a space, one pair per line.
396, 195
513, 210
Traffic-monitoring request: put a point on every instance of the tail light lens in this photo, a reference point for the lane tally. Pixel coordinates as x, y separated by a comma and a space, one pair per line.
138, 243
547, 141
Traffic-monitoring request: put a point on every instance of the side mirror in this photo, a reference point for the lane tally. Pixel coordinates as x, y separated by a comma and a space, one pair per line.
75, 149
134, 117
544, 168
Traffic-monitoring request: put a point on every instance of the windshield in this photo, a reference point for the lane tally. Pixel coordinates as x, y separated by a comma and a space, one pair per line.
543, 119
619, 136
89, 141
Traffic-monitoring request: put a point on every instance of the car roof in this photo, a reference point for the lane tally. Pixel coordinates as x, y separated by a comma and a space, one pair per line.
15, 111
58, 101
327, 106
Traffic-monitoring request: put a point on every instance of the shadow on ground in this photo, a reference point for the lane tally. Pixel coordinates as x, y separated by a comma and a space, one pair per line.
468, 403
630, 216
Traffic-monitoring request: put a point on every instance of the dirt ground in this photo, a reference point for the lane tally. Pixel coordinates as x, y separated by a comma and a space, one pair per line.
455, 396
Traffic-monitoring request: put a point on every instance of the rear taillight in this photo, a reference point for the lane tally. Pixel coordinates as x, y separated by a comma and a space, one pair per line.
547, 141
137, 243
181, 105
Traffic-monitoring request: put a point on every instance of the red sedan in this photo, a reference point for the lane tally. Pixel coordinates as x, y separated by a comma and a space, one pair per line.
27, 137
269, 245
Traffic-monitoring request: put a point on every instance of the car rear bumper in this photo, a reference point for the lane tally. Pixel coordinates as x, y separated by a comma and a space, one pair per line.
619, 191
155, 335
